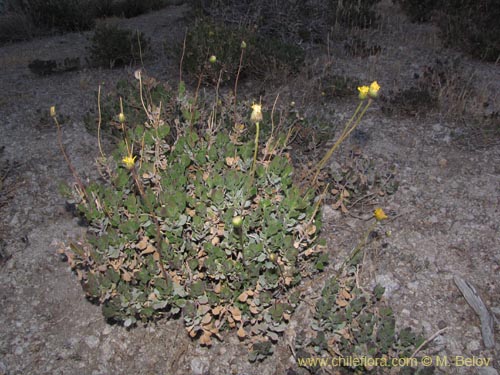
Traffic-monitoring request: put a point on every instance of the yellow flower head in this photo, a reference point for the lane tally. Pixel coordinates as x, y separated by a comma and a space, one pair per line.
363, 92
379, 214
256, 115
53, 111
129, 161
373, 91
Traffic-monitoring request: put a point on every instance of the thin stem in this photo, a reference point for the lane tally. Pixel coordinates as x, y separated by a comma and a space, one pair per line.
70, 165
100, 121
345, 133
193, 109
254, 164
182, 56
236, 82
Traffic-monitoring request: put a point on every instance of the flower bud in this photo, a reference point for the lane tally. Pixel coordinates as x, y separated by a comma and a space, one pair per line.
53, 111
256, 115
243, 45
121, 117
237, 221
212, 59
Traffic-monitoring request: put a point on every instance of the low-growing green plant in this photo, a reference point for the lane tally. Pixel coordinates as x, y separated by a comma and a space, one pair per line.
197, 222
354, 324
112, 46
200, 226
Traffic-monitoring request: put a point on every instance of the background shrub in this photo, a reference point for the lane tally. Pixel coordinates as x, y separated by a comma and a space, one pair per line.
15, 26
62, 15
297, 21
74, 15
112, 46
262, 55
471, 25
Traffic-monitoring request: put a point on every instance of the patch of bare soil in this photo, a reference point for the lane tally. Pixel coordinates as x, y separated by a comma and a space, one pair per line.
444, 219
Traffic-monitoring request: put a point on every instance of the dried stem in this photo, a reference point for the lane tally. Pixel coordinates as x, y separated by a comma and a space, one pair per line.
70, 165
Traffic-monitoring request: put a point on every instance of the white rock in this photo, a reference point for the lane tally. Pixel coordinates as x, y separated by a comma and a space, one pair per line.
92, 341
486, 371
388, 282
199, 366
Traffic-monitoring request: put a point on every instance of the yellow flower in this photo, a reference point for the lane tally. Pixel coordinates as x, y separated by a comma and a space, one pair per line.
256, 115
53, 111
363, 92
373, 91
129, 161
243, 45
379, 214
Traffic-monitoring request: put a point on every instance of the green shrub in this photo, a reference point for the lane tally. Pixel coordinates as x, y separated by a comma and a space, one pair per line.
472, 25
15, 26
163, 240
419, 10
355, 13
112, 46
263, 56
62, 15
293, 21
133, 8
356, 323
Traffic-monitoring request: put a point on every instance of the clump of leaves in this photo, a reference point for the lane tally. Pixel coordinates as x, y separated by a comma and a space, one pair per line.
163, 238
112, 46
263, 56
352, 322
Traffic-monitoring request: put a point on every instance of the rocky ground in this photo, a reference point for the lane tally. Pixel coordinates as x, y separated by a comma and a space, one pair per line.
444, 218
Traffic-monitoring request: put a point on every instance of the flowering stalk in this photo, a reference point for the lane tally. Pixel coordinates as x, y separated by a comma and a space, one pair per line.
364, 92
243, 47
379, 215
255, 117
81, 186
